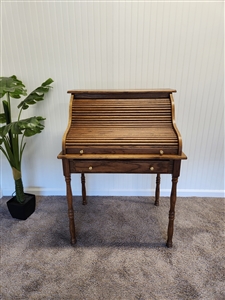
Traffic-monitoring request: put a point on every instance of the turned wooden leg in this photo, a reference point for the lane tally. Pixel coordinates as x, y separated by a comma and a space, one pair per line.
157, 190
84, 202
70, 209
173, 198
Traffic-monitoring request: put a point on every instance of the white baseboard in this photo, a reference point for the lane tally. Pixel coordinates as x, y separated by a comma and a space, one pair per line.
163, 193
146, 192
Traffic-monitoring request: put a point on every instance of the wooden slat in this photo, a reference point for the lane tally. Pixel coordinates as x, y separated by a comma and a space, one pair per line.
121, 122
121, 112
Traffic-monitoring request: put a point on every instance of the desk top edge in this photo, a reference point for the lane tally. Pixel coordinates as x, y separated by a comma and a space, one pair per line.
122, 91
122, 156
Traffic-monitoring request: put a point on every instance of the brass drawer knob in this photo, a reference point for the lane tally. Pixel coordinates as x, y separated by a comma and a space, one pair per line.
161, 152
81, 151
90, 168
151, 168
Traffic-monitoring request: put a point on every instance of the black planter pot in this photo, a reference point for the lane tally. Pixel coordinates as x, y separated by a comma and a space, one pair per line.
24, 210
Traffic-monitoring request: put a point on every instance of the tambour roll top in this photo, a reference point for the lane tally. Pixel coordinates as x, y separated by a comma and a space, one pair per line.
122, 122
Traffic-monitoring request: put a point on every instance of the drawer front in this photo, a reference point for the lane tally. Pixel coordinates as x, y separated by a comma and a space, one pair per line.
120, 166
122, 150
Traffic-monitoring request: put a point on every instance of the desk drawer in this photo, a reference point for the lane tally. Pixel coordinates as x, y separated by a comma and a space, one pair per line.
118, 166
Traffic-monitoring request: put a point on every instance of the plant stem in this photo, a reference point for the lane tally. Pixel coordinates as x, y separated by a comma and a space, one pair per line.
19, 190
22, 146
20, 113
8, 100
18, 185
10, 121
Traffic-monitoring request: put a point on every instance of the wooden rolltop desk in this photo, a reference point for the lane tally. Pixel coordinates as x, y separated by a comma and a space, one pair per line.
124, 131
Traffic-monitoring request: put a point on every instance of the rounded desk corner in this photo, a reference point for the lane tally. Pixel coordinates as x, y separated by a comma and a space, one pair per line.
60, 155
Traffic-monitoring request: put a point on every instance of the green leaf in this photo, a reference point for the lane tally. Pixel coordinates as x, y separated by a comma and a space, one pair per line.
34, 126
47, 82
41, 89
13, 86
29, 127
36, 95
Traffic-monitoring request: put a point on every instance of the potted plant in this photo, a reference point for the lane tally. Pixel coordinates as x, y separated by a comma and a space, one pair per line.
12, 134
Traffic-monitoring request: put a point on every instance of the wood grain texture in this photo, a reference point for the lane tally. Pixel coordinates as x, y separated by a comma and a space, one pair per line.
119, 124
120, 166
122, 156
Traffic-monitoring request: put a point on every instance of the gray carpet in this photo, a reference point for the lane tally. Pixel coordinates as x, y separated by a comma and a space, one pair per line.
120, 253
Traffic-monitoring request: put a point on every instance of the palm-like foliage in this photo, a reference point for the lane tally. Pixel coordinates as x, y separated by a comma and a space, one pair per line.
12, 133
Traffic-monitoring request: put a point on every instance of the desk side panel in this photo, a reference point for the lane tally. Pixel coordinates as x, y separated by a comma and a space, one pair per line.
175, 126
64, 150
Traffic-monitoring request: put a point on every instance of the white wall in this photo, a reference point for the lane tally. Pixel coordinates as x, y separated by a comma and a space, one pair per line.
120, 45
